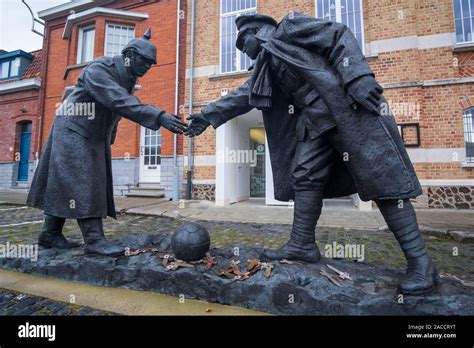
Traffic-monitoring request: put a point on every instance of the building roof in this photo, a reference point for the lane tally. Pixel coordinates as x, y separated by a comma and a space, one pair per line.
34, 69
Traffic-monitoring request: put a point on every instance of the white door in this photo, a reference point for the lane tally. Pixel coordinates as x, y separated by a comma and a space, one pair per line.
150, 155
269, 190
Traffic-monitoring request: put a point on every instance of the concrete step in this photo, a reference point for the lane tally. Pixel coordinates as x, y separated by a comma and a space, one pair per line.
146, 192
150, 185
22, 184
339, 203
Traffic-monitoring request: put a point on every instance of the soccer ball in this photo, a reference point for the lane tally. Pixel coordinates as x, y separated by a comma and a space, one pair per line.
190, 242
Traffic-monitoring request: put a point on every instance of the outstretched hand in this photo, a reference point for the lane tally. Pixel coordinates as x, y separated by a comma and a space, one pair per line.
172, 123
198, 124
366, 92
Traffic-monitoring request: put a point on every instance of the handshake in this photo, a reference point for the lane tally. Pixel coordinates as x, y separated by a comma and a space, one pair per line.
198, 124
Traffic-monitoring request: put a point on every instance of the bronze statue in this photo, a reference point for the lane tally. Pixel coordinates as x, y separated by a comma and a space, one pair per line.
335, 143
74, 175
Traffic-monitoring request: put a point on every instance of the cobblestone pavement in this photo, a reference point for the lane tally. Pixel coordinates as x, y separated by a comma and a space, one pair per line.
380, 247
15, 303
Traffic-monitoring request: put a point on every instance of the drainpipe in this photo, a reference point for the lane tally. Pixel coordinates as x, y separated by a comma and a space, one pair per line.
176, 108
191, 76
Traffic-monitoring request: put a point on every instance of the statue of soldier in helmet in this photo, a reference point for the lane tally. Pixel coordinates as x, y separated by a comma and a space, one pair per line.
73, 179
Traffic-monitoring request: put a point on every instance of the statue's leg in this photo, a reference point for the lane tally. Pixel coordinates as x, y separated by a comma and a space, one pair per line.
93, 232
51, 235
313, 163
421, 276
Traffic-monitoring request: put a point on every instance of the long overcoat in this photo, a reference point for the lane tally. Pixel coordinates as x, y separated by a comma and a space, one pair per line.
74, 174
373, 160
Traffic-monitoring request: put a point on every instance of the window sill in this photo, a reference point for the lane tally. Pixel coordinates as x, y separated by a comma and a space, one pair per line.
463, 47
230, 75
372, 56
73, 67
467, 164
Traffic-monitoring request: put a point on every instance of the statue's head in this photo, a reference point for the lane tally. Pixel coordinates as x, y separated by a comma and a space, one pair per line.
140, 54
248, 27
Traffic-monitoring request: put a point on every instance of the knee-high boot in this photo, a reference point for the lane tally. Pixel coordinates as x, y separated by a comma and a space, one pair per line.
302, 244
51, 235
421, 275
94, 238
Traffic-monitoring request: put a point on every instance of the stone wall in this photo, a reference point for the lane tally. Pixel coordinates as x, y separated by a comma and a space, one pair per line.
204, 191
452, 197
125, 174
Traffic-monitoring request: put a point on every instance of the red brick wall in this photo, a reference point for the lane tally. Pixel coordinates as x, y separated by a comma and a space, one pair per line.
158, 86
11, 114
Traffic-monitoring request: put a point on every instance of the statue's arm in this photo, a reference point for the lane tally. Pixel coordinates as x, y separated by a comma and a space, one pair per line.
101, 85
234, 104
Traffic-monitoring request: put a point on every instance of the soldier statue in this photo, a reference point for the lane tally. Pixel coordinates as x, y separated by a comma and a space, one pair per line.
73, 179
328, 133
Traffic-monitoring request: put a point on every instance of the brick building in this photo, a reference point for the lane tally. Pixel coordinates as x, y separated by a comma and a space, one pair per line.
78, 31
19, 102
422, 53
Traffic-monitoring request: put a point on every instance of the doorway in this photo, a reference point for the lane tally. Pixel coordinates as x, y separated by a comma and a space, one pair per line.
25, 140
150, 156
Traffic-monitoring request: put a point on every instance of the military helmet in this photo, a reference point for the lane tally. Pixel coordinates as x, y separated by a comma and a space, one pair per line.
143, 46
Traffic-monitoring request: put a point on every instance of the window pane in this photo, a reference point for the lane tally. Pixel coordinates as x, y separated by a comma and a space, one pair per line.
14, 67
457, 9
320, 9
4, 70
87, 49
465, 8
117, 37
467, 30
459, 34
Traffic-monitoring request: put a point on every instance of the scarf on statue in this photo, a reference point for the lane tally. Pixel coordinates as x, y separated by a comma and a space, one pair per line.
261, 82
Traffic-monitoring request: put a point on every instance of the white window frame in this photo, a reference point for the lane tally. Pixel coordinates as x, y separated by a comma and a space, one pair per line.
339, 18
468, 129
238, 56
462, 23
79, 42
107, 24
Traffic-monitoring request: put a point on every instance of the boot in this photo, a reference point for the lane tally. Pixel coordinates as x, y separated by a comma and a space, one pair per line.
421, 276
302, 244
51, 235
94, 239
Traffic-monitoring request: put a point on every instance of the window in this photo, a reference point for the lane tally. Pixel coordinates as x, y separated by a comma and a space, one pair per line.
152, 147
116, 37
231, 59
10, 68
348, 12
85, 51
464, 20
468, 119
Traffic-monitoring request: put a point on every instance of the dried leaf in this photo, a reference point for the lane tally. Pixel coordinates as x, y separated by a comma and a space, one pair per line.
267, 267
252, 264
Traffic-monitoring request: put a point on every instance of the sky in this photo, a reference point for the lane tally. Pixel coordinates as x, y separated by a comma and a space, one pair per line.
15, 24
